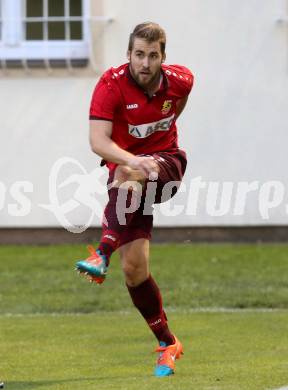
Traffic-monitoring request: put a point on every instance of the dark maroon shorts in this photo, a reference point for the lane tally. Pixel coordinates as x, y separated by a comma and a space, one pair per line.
172, 168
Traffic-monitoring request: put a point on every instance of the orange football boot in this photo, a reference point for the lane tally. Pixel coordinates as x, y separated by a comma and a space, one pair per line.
94, 267
167, 355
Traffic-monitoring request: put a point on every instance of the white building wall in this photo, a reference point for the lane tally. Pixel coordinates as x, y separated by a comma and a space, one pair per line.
234, 128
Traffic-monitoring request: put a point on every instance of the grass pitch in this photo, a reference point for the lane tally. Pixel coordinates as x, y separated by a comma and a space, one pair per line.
228, 304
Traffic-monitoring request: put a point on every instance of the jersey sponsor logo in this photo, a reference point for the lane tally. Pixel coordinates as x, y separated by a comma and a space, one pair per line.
132, 106
146, 129
167, 105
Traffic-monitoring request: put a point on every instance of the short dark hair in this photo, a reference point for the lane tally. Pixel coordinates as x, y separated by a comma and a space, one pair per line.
149, 31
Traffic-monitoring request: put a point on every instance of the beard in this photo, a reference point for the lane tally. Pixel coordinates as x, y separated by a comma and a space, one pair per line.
145, 80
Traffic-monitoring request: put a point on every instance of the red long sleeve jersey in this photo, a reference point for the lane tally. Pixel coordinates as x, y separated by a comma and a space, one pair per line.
141, 124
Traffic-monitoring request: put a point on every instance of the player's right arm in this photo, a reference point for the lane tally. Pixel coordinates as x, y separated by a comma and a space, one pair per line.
105, 101
102, 144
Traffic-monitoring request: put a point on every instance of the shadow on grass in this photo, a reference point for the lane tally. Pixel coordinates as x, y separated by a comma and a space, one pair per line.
37, 384
23, 385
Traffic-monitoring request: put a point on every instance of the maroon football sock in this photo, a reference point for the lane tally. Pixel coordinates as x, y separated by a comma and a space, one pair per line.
108, 243
115, 220
147, 298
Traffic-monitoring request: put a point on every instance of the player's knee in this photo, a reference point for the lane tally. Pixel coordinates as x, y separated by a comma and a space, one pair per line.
134, 273
130, 269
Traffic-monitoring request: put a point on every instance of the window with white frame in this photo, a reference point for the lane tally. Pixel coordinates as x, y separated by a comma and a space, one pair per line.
44, 30
53, 20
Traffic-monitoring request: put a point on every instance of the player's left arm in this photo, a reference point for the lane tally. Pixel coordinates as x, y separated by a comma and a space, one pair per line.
180, 105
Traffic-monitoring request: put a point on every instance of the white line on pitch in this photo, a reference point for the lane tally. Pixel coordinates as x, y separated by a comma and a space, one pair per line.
169, 310
282, 388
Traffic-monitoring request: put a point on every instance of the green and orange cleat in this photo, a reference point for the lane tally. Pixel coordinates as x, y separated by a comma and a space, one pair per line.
94, 267
165, 365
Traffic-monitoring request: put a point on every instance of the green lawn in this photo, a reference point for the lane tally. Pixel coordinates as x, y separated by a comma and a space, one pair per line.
59, 332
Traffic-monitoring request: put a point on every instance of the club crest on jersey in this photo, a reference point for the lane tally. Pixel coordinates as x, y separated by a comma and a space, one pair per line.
166, 107
146, 129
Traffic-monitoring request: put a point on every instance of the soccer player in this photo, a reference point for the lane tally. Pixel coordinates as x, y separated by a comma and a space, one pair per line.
132, 127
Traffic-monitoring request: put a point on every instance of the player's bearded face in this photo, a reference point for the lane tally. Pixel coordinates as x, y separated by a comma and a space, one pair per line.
145, 62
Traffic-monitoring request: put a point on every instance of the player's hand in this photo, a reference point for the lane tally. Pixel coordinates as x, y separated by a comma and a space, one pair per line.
146, 165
